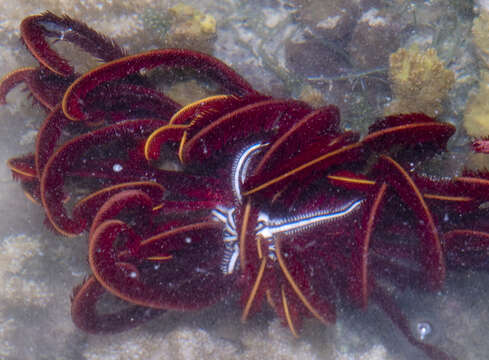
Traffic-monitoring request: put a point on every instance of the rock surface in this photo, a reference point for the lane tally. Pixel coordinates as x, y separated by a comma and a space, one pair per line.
38, 268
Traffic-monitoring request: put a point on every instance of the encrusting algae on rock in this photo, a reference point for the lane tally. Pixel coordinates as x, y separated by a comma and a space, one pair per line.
191, 28
419, 80
181, 26
480, 36
476, 116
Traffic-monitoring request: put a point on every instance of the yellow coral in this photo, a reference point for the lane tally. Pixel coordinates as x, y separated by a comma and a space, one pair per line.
208, 24
480, 34
420, 82
476, 116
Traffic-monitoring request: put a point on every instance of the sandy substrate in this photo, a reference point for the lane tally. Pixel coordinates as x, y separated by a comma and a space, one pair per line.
38, 268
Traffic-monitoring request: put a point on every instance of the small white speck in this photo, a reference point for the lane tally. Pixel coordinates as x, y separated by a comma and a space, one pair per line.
273, 17
371, 17
423, 329
329, 23
117, 168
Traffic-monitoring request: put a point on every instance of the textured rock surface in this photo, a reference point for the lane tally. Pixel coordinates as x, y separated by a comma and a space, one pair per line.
332, 20
38, 268
327, 61
183, 26
374, 38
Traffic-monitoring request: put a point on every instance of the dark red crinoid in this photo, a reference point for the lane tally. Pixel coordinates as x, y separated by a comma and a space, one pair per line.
270, 197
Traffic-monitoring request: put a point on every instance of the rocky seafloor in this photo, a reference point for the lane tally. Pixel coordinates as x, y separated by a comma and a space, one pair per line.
322, 51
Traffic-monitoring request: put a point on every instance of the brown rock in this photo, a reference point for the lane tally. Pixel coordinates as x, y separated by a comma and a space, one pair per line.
190, 29
373, 40
312, 57
332, 19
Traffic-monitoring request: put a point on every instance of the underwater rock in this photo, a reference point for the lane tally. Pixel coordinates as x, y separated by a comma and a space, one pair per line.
325, 32
332, 20
181, 26
321, 59
373, 40
476, 116
191, 29
23, 298
339, 36
187, 91
419, 81
15, 252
